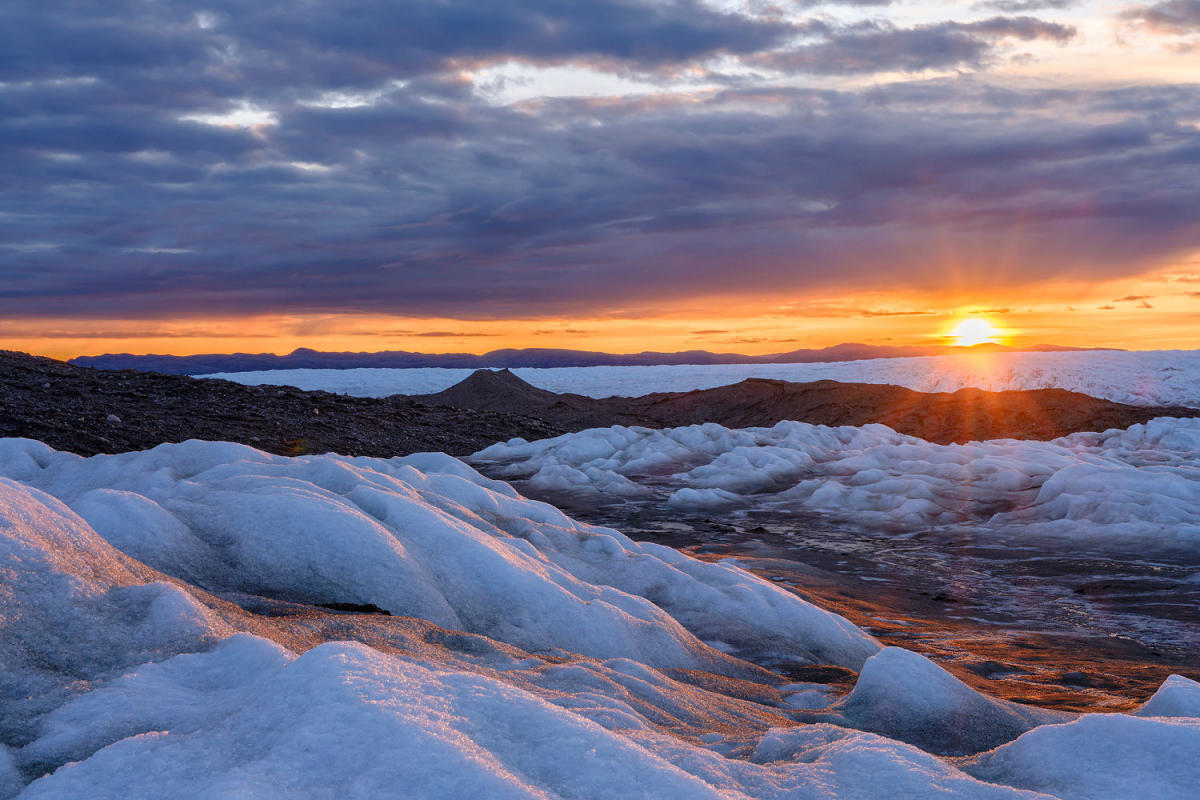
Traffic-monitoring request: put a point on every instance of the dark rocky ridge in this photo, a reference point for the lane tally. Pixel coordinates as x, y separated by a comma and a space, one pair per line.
90, 411
68, 408
304, 358
943, 417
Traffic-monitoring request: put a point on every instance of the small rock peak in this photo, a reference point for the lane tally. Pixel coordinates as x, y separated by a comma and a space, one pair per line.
499, 390
493, 379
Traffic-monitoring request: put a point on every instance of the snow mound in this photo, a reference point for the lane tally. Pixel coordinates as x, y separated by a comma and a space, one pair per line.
865, 765
1100, 757
1141, 484
1177, 697
343, 720
905, 696
428, 537
357, 724
73, 607
181, 695
1148, 378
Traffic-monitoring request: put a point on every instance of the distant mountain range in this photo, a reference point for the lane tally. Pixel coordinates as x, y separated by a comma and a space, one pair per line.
304, 358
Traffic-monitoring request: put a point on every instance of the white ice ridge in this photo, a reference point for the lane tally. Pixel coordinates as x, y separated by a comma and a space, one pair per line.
1139, 485
426, 536
121, 677
1148, 378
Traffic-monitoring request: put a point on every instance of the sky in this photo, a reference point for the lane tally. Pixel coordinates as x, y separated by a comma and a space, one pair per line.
621, 175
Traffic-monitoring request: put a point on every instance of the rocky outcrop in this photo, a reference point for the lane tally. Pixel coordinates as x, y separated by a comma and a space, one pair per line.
90, 411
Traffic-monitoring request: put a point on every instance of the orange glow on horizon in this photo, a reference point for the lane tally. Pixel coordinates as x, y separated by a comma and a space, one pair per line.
1156, 312
1126, 328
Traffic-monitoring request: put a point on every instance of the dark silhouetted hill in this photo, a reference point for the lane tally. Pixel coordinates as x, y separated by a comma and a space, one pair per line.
304, 358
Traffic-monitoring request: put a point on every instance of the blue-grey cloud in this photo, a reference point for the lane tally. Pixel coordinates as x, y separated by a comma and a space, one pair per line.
325, 44
1025, 6
859, 3
1170, 16
421, 197
878, 46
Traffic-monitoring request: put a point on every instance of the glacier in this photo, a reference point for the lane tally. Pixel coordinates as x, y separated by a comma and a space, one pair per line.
168, 627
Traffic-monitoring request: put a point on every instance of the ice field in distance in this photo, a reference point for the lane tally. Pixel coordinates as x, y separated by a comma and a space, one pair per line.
1156, 378
126, 670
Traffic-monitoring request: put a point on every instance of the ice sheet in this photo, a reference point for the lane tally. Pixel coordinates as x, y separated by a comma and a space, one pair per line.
120, 677
1156, 378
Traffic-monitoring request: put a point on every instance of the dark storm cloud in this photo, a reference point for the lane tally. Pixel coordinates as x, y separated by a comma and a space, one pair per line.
41, 332
858, 3
1025, 6
414, 195
884, 313
1172, 16
445, 334
876, 46
336, 45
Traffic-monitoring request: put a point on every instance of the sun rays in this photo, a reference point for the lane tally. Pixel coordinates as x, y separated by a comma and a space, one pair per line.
972, 331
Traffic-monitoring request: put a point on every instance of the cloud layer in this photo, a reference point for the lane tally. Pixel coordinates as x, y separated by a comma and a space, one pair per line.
321, 157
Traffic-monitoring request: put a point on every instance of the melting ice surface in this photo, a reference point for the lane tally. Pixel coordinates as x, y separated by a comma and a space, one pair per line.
1138, 487
1150, 378
1094, 535
161, 636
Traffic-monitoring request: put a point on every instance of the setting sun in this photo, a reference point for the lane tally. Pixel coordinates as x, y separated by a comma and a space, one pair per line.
973, 331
